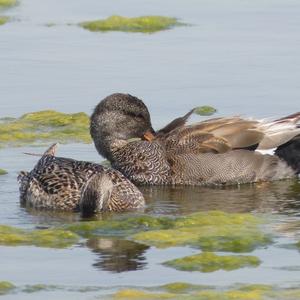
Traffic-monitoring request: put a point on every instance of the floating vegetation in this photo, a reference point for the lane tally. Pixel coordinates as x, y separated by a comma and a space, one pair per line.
244, 292
6, 287
205, 110
138, 294
50, 24
50, 238
3, 172
3, 19
210, 262
121, 226
145, 24
7, 3
44, 126
209, 231
191, 292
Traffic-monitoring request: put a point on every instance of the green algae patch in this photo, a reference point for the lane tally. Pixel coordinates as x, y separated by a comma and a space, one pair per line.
255, 293
3, 20
49, 238
210, 262
3, 172
44, 126
37, 288
209, 231
183, 288
50, 24
177, 287
7, 3
138, 294
205, 110
120, 226
145, 24
6, 287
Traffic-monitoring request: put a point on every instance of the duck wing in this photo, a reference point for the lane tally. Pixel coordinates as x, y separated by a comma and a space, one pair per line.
220, 135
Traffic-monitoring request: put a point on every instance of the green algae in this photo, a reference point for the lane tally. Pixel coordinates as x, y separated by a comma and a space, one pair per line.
250, 292
44, 126
6, 287
49, 238
205, 110
3, 172
7, 3
210, 262
138, 294
3, 20
121, 226
183, 287
37, 288
209, 231
145, 24
50, 24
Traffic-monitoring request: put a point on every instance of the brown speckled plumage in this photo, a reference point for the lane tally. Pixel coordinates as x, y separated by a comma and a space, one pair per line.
216, 151
58, 183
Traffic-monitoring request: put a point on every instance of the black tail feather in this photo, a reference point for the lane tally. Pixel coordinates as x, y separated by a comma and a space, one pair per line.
290, 152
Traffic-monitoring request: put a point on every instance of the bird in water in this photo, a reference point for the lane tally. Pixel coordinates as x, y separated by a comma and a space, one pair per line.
217, 151
58, 183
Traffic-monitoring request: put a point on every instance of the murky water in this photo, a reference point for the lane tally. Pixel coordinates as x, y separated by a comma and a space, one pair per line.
240, 56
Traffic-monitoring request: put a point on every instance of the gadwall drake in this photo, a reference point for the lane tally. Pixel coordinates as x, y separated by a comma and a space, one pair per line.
213, 152
58, 183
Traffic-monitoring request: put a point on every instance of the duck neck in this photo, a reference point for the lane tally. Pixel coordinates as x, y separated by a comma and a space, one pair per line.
107, 145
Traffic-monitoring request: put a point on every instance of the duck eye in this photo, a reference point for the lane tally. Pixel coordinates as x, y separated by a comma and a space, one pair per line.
136, 116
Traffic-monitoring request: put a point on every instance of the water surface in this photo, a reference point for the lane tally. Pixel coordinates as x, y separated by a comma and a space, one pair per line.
239, 56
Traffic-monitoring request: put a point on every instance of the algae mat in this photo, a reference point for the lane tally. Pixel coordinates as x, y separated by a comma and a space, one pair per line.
191, 230
178, 291
43, 127
144, 24
7, 3
48, 238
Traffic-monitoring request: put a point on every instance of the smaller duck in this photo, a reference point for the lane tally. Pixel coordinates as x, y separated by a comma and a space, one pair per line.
64, 184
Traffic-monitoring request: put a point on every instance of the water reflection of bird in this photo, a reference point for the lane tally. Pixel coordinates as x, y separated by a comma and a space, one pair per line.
282, 197
216, 151
117, 255
58, 183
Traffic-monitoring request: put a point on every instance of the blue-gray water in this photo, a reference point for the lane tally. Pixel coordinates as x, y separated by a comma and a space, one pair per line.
240, 56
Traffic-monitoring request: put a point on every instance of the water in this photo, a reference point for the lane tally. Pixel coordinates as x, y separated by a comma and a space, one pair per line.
239, 56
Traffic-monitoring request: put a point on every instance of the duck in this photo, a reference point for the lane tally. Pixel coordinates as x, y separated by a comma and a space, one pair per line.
216, 151
64, 184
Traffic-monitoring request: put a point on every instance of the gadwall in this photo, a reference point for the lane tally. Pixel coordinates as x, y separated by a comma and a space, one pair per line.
213, 152
58, 183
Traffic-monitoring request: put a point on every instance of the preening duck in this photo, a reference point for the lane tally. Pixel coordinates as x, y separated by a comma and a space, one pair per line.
58, 183
213, 152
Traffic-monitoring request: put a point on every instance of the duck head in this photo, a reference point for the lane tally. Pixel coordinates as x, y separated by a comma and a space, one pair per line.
116, 119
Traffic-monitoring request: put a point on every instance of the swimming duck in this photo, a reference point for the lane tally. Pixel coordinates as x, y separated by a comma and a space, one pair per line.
58, 183
217, 151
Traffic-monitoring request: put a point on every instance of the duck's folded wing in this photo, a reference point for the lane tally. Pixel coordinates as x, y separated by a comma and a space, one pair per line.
220, 135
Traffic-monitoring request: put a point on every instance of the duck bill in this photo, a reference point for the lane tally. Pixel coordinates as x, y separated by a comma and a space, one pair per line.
149, 135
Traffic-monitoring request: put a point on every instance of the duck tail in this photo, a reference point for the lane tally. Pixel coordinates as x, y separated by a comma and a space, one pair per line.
95, 194
23, 180
290, 153
51, 151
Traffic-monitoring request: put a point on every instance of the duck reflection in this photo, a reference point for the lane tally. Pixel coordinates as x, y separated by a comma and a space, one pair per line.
44, 218
117, 255
273, 197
